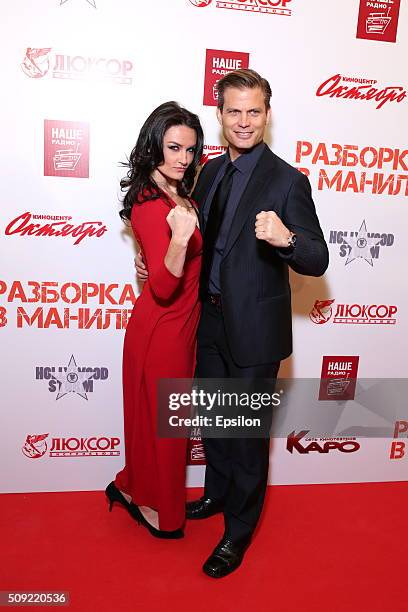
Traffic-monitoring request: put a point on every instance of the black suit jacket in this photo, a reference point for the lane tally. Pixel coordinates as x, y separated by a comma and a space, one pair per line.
254, 276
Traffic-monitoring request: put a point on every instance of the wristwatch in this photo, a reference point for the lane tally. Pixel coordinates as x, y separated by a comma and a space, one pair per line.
292, 240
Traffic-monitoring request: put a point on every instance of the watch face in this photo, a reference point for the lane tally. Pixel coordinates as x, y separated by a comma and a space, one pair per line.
292, 241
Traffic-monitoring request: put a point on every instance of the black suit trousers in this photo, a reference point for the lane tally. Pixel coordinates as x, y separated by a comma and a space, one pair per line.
237, 468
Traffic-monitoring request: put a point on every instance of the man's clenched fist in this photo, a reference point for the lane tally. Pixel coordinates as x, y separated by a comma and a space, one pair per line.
270, 228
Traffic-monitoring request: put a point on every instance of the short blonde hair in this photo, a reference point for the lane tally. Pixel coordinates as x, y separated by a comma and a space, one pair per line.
242, 79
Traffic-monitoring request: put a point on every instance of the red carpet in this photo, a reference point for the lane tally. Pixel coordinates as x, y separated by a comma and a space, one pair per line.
324, 547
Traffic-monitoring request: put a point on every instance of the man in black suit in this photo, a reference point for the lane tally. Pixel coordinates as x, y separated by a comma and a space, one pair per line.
257, 217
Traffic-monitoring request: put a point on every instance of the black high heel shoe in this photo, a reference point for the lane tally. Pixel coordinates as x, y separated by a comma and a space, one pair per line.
114, 495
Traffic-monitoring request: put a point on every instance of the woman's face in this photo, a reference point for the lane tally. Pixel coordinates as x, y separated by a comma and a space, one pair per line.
179, 144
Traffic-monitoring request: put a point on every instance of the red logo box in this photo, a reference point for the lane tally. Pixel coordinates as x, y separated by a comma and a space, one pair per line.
217, 65
378, 23
195, 452
338, 378
66, 149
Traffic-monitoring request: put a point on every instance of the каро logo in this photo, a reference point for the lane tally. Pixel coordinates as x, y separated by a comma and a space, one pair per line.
343, 444
71, 378
360, 245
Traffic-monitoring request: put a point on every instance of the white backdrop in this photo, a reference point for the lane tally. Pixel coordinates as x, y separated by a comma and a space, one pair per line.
79, 79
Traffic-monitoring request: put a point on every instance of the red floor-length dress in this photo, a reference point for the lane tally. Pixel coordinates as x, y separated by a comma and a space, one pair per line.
160, 342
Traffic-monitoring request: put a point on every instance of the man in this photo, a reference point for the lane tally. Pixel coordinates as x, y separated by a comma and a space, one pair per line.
257, 217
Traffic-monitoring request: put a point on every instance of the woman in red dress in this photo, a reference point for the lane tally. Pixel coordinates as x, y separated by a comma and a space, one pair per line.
160, 339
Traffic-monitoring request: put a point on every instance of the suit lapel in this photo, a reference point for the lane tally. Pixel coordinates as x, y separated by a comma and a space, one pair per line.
203, 186
254, 190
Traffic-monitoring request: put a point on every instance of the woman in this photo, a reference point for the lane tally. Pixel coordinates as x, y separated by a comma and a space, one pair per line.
160, 337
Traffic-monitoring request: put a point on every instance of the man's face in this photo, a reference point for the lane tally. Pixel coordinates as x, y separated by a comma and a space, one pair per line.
243, 118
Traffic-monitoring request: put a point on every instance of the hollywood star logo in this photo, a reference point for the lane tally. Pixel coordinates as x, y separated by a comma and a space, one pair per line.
36, 62
91, 2
360, 245
35, 446
71, 379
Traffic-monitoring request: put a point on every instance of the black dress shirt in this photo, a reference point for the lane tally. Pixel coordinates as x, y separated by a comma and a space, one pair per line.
245, 165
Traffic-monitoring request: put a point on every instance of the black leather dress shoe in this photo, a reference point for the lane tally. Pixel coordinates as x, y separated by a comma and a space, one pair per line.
225, 558
203, 508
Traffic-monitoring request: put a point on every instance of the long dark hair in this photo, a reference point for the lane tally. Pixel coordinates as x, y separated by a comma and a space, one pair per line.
147, 155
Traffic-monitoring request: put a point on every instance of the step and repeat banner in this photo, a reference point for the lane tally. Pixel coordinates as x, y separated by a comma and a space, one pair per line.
79, 79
